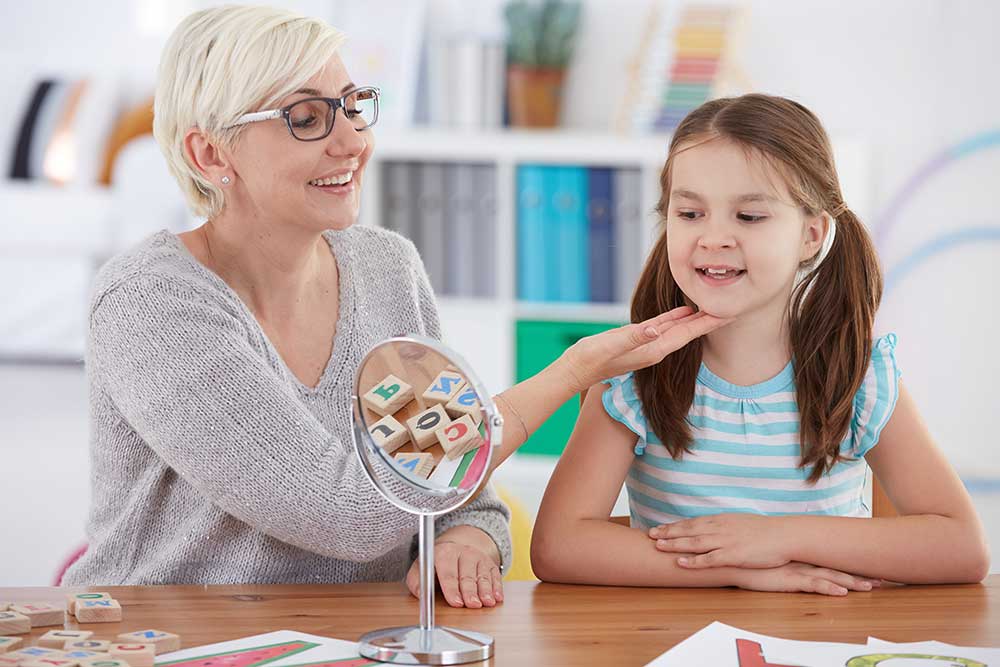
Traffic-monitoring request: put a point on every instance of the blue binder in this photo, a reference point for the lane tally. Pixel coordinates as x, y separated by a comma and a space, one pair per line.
531, 255
600, 210
569, 205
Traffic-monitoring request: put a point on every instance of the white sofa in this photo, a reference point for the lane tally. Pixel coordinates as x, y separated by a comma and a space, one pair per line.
53, 239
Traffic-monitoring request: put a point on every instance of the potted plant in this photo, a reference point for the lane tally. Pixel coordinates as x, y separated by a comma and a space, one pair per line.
539, 46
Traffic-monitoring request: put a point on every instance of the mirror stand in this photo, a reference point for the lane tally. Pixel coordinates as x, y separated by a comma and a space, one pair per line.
452, 425
426, 644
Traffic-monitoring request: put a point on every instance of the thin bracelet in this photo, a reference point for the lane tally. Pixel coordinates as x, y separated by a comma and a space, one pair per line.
511, 408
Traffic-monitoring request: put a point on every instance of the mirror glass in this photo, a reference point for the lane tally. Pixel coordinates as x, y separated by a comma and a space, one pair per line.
423, 424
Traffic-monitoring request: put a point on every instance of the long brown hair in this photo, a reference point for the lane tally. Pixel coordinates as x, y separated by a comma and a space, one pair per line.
832, 311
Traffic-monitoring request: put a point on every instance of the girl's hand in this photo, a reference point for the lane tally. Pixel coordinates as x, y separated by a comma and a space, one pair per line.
468, 576
726, 540
596, 358
803, 578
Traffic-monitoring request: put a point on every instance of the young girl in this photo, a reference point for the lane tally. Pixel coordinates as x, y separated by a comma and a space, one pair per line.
744, 453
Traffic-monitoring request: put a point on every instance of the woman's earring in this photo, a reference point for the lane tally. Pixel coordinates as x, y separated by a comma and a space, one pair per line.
225, 180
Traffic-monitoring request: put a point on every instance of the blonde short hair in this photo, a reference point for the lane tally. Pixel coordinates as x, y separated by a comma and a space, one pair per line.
221, 63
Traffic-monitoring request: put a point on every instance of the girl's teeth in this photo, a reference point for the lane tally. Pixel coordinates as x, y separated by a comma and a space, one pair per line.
721, 274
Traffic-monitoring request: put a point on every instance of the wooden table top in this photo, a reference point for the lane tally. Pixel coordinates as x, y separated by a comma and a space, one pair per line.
552, 624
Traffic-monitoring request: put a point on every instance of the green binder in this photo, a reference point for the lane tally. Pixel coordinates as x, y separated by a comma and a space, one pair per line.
539, 343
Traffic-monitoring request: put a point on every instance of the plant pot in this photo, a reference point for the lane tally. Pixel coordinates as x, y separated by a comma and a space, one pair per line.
534, 95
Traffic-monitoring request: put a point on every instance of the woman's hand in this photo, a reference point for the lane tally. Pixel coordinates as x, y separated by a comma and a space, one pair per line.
469, 576
595, 358
803, 578
726, 540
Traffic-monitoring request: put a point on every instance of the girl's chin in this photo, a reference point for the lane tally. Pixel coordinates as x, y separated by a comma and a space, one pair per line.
724, 311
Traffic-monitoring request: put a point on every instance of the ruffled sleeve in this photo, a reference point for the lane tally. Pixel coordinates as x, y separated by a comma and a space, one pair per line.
876, 398
622, 403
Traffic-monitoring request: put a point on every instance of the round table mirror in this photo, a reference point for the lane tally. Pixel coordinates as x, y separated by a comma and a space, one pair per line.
424, 430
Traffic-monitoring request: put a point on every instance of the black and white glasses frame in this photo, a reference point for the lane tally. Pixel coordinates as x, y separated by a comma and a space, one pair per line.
371, 93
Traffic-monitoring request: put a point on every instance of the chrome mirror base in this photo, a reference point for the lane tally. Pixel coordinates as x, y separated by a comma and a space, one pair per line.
412, 645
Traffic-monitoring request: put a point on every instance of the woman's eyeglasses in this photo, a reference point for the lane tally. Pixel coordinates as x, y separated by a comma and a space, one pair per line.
312, 119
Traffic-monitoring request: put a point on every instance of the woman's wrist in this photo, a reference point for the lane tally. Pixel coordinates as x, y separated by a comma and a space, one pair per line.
566, 372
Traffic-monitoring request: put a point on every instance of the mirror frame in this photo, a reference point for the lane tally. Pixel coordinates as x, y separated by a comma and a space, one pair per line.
492, 419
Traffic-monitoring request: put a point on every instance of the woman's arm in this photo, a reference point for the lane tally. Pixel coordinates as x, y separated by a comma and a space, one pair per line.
938, 538
591, 360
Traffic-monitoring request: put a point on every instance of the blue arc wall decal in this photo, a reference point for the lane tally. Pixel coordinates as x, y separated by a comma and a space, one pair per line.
937, 246
890, 216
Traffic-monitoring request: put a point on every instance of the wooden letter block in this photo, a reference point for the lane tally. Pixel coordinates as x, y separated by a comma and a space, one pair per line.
4, 605
59, 638
388, 396
163, 642
73, 597
389, 434
423, 425
444, 387
58, 661
456, 437
80, 656
465, 403
136, 655
13, 623
94, 645
41, 614
98, 611
419, 463
35, 653
104, 661
8, 643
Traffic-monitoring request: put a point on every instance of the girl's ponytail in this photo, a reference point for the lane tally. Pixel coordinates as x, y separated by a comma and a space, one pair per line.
832, 315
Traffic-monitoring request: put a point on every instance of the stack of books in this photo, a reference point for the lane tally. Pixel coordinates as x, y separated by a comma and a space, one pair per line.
449, 211
578, 233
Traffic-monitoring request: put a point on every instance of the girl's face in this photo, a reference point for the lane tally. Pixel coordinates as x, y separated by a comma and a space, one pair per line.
278, 174
734, 237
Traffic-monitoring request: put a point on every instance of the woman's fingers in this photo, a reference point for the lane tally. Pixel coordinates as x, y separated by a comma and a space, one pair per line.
695, 325
681, 332
632, 346
497, 579
413, 580
670, 315
485, 583
676, 334
641, 333
467, 578
446, 564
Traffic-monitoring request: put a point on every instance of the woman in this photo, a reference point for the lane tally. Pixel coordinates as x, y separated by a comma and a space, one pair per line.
221, 360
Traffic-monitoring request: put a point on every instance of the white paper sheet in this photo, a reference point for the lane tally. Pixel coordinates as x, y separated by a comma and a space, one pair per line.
721, 645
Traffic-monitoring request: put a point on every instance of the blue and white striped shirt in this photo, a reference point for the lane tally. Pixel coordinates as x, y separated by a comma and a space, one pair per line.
745, 452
